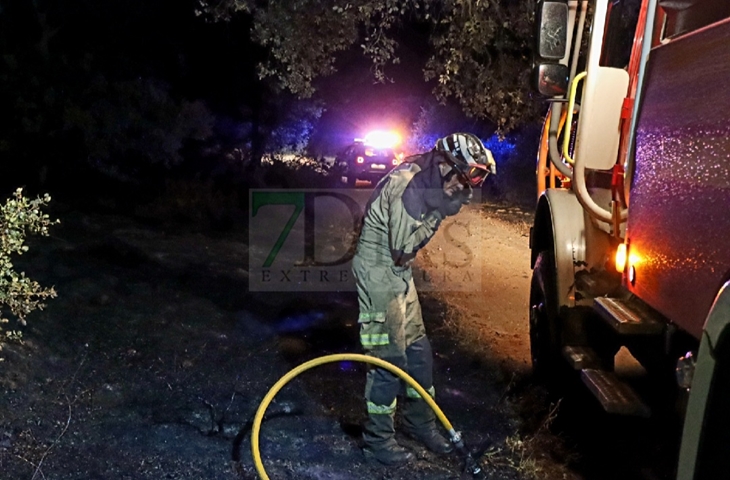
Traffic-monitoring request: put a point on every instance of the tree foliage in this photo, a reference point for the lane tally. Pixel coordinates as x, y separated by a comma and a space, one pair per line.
135, 119
294, 130
78, 94
20, 216
479, 51
436, 121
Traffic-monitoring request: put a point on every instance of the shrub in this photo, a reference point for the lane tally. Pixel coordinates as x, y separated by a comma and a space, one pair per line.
295, 171
20, 216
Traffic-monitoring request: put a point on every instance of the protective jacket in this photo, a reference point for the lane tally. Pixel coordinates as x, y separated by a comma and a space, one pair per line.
402, 215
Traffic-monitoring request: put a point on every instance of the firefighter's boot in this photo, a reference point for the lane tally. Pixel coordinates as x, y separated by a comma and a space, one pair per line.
380, 444
420, 424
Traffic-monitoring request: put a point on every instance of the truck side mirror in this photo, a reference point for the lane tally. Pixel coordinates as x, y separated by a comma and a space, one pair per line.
550, 79
552, 34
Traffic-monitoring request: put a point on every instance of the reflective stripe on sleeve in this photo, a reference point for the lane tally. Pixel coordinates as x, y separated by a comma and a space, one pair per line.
374, 339
412, 393
368, 317
382, 409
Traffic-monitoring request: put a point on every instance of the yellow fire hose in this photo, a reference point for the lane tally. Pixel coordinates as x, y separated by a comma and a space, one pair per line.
456, 439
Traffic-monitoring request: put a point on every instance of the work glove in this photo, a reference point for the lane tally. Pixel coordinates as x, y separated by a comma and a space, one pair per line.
451, 205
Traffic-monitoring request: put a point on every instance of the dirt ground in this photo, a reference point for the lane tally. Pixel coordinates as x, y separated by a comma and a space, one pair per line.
491, 315
153, 360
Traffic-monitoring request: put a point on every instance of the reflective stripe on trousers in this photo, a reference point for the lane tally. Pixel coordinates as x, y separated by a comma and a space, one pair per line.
374, 409
412, 393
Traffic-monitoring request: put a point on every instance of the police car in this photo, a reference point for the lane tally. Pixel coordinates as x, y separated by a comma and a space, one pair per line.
369, 158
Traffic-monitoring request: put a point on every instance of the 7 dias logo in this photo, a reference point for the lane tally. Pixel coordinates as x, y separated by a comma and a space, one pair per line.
305, 240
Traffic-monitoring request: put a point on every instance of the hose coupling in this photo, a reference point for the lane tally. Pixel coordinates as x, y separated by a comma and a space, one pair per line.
456, 439
470, 464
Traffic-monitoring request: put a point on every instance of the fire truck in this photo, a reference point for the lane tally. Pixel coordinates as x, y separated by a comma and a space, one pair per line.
631, 237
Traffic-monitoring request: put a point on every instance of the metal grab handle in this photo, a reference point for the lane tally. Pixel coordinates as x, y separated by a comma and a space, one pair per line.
569, 120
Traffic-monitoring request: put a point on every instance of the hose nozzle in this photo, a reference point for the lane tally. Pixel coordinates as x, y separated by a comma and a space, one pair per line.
470, 464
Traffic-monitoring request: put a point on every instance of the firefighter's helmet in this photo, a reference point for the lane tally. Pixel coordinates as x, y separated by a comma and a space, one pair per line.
469, 156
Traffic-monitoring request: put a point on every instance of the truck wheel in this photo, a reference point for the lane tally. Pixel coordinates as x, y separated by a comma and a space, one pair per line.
544, 326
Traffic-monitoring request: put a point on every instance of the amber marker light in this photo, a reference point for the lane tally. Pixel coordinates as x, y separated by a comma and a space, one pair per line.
631, 262
621, 257
632, 275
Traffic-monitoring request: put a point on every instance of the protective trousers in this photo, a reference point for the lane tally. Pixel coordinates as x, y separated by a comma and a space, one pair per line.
391, 328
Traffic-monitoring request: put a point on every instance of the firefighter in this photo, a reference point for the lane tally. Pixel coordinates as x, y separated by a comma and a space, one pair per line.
402, 215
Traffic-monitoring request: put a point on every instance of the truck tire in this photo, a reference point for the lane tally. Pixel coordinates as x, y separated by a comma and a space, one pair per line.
545, 345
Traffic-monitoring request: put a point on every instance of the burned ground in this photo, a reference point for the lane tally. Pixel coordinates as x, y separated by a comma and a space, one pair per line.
153, 360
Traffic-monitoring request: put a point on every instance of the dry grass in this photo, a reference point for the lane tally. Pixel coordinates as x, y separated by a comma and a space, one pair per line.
524, 452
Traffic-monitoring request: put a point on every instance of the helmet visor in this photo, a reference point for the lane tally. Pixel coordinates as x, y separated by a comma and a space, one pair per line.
474, 175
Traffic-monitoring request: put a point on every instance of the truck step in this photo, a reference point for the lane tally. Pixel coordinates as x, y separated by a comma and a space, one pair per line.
615, 396
580, 358
627, 317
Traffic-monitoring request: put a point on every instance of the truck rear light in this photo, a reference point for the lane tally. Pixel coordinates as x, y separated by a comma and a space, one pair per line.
395, 161
360, 160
